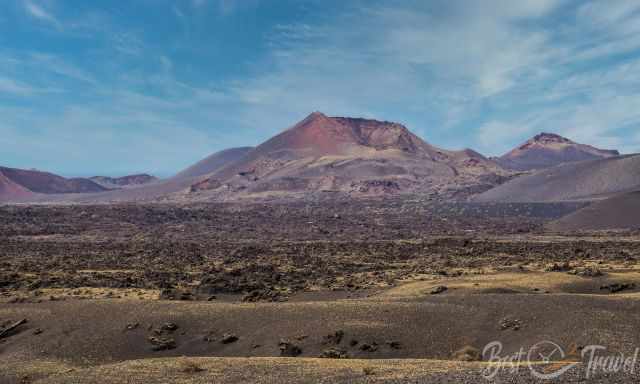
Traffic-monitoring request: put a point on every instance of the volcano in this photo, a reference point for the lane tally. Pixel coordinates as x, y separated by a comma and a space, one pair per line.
348, 155
548, 150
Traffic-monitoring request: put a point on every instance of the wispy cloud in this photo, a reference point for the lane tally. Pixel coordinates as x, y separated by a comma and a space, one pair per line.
484, 74
9, 86
12, 87
417, 62
503, 70
40, 13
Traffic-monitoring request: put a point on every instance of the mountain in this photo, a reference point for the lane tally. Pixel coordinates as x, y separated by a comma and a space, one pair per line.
124, 181
48, 183
547, 150
618, 212
585, 180
10, 191
214, 162
320, 154
151, 191
349, 155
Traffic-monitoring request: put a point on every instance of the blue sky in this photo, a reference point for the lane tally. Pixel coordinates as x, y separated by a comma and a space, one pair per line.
115, 87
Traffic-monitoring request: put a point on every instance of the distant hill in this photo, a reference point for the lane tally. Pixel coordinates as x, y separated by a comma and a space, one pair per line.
618, 212
586, 180
547, 150
21, 183
124, 181
10, 191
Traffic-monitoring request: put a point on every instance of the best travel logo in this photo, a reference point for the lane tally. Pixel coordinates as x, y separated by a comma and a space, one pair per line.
546, 360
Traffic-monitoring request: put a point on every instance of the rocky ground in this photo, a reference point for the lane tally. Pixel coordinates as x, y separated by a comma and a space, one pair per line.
305, 292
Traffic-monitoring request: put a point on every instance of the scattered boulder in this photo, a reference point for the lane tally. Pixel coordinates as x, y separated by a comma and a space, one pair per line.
162, 344
394, 344
587, 272
561, 267
175, 294
288, 349
267, 295
209, 338
335, 338
169, 327
509, 323
618, 287
132, 326
438, 289
228, 338
334, 353
366, 347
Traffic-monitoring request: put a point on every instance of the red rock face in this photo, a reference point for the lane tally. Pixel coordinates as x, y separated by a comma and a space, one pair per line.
322, 135
381, 134
318, 134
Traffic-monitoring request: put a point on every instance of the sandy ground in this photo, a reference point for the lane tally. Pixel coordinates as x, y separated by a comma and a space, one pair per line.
398, 292
81, 340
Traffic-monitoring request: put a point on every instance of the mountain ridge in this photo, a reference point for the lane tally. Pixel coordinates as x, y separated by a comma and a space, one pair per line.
349, 155
546, 150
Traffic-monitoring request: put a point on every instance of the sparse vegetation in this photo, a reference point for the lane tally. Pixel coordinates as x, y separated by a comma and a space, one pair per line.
189, 366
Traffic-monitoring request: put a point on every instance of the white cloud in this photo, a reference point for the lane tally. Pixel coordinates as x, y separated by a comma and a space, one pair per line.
436, 62
489, 72
40, 13
495, 133
10, 86
45, 62
23, 89
615, 15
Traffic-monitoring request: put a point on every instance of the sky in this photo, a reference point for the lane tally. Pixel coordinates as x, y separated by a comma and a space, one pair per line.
119, 87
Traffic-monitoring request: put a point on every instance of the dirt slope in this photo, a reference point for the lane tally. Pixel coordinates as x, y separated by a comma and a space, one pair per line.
586, 180
214, 162
547, 150
76, 333
9, 190
425, 326
619, 212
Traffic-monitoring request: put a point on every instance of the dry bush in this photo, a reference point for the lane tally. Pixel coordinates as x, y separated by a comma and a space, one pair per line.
467, 353
189, 366
368, 371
